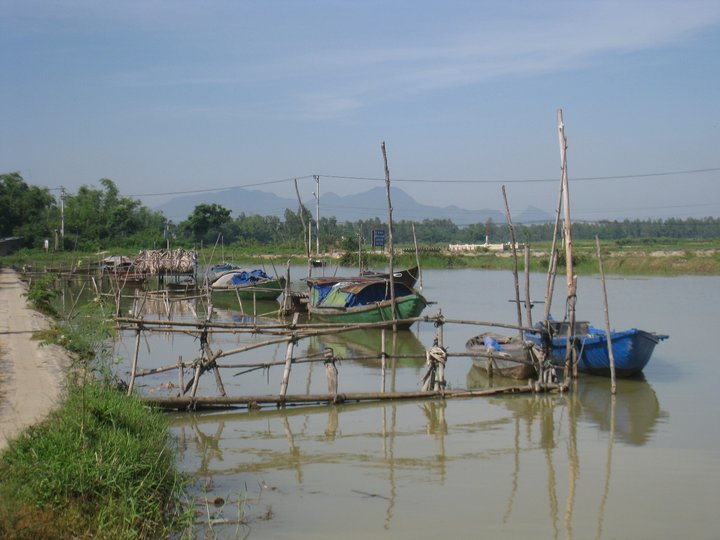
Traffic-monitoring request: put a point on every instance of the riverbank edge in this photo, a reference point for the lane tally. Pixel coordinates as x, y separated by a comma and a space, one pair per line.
79, 513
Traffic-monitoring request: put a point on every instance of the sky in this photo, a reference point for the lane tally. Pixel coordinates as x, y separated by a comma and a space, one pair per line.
169, 96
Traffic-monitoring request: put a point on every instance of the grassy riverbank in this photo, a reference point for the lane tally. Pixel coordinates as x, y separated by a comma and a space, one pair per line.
637, 257
102, 465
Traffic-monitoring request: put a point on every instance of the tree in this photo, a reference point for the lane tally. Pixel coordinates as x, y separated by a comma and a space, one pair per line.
206, 222
101, 217
27, 211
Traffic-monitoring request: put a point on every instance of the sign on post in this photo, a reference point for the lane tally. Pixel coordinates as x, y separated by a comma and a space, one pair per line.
378, 238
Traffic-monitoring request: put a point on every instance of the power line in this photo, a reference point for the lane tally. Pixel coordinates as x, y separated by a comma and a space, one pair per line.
207, 190
526, 180
436, 181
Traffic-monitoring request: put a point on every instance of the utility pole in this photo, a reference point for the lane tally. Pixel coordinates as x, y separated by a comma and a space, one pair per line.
62, 218
317, 214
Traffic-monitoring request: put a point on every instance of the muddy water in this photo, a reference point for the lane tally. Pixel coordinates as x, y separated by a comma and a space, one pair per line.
644, 464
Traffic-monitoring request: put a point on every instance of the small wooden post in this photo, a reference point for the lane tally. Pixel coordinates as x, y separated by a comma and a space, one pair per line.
383, 360
288, 367
439, 330
331, 371
196, 379
216, 371
613, 385
181, 382
237, 294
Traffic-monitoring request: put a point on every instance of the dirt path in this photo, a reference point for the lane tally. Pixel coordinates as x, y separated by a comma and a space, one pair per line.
31, 376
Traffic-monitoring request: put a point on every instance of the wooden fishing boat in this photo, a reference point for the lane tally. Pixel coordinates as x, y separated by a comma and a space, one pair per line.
631, 348
215, 271
506, 356
362, 301
408, 277
248, 284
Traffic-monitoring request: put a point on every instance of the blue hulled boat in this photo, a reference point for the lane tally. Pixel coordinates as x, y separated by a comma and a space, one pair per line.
631, 348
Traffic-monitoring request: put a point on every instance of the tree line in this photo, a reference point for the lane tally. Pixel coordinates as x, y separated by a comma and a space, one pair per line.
100, 218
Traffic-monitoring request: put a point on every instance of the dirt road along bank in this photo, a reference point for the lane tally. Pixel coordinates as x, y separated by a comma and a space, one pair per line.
31, 375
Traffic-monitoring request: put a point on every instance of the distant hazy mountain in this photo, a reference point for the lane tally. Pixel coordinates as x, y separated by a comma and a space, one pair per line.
366, 205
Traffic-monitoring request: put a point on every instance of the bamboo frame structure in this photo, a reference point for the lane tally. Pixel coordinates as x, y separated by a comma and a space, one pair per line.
290, 334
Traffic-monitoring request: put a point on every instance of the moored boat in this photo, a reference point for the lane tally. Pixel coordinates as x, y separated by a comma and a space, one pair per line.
249, 283
408, 277
505, 356
362, 301
631, 348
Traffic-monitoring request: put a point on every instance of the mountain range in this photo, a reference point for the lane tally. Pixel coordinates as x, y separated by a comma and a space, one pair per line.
359, 206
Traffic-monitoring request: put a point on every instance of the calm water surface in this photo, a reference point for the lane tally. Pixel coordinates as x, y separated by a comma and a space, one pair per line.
644, 464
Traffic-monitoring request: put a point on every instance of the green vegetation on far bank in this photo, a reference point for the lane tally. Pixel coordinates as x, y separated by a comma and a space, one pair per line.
639, 257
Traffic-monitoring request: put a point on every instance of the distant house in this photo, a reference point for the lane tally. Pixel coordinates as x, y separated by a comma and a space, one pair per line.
10, 245
479, 247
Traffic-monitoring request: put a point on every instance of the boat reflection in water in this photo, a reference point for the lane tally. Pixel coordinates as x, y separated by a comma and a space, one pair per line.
365, 345
323, 462
636, 407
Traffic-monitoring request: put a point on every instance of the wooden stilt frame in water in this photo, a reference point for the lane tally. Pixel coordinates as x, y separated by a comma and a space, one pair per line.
209, 360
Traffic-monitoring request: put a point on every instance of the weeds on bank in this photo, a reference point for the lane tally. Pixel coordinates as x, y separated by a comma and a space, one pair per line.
101, 466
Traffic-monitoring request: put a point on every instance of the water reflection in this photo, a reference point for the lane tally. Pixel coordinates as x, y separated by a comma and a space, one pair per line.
364, 346
376, 445
637, 409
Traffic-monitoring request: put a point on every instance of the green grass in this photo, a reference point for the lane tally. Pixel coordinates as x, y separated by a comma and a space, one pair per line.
101, 466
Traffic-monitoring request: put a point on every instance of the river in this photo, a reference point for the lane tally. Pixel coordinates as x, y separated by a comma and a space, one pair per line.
642, 464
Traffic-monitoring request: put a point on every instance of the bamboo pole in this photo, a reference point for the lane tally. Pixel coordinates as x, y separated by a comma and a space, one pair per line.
218, 379
305, 232
286, 373
571, 279
417, 257
552, 265
383, 361
528, 301
515, 263
133, 369
253, 401
613, 385
181, 369
391, 249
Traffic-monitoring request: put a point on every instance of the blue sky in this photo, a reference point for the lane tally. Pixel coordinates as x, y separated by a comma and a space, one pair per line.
168, 96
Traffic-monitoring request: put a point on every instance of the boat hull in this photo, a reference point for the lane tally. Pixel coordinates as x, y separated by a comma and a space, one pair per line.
266, 290
513, 360
632, 350
408, 307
